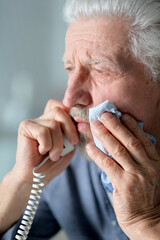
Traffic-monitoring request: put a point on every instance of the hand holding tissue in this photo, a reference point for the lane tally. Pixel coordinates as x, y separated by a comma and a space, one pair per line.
130, 165
95, 113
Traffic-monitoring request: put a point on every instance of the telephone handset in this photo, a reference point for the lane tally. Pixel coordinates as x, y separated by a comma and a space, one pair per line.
35, 195
67, 146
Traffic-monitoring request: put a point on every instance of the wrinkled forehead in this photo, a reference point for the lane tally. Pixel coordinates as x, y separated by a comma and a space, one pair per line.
98, 38
106, 35
100, 28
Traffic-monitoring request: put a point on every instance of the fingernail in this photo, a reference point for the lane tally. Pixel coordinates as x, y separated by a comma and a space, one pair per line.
107, 116
55, 157
42, 150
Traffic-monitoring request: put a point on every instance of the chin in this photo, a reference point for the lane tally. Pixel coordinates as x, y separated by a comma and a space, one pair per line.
81, 146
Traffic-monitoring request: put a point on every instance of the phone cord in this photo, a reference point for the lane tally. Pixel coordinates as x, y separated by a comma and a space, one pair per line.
33, 202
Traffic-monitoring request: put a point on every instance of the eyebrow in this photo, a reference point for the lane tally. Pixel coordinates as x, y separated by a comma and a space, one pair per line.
66, 61
111, 64
93, 61
106, 61
114, 64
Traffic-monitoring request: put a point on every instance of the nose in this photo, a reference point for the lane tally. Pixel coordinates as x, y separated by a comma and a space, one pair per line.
78, 91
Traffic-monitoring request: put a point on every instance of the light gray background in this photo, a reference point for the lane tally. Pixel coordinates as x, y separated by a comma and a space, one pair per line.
32, 36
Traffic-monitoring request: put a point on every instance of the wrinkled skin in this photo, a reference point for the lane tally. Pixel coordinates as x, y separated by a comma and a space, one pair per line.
100, 66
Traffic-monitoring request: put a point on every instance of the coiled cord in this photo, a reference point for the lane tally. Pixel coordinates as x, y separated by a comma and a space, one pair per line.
33, 202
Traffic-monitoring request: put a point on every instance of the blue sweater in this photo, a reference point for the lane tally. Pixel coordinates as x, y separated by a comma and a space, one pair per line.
76, 202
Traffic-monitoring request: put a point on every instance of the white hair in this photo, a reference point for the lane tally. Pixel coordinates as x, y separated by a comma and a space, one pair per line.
143, 17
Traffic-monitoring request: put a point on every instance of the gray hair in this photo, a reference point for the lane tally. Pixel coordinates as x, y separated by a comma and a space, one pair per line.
143, 17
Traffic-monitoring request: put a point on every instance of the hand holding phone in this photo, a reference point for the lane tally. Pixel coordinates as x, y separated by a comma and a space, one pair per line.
38, 185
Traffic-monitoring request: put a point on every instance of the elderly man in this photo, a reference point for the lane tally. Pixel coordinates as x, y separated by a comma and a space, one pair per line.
112, 53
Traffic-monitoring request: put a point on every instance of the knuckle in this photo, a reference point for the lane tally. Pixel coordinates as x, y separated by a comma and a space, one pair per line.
44, 132
125, 117
129, 121
142, 178
103, 132
134, 144
147, 142
107, 163
53, 124
119, 151
49, 104
54, 112
24, 124
57, 110
115, 126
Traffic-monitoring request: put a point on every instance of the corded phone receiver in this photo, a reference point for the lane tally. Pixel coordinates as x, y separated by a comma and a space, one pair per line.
35, 195
67, 146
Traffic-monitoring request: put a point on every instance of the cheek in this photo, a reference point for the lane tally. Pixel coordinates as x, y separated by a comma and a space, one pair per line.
127, 99
107, 92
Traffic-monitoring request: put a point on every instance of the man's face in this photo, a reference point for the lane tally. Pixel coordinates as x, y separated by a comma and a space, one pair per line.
100, 67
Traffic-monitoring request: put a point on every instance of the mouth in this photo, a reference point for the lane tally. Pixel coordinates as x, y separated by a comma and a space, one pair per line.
81, 124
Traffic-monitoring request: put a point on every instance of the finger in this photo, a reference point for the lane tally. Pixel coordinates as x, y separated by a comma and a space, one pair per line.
57, 142
54, 103
66, 123
110, 167
113, 146
129, 141
41, 134
132, 125
56, 137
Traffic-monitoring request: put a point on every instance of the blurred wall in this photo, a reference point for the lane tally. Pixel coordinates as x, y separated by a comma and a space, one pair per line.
32, 36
